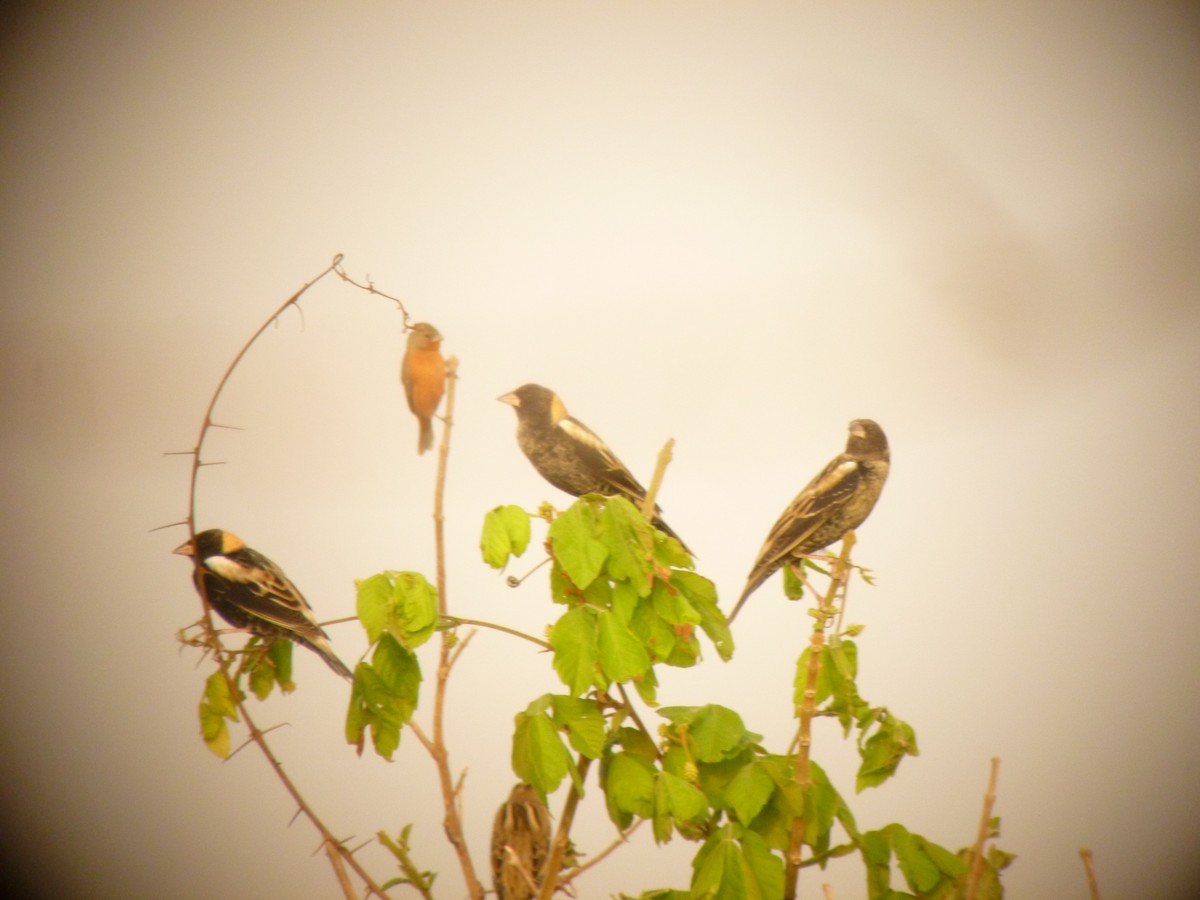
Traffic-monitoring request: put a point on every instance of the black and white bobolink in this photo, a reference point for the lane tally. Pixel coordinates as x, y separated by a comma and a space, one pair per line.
838, 500
570, 455
520, 844
250, 592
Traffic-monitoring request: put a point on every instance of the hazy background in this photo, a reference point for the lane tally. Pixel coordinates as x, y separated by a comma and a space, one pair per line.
738, 225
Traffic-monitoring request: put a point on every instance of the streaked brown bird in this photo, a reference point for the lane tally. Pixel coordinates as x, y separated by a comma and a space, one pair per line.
250, 592
570, 455
838, 500
423, 374
520, 844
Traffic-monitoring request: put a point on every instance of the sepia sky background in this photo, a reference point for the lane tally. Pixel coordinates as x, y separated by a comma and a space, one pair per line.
737, 225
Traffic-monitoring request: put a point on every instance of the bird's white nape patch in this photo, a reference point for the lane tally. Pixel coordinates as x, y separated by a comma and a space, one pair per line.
229, 569
583, 434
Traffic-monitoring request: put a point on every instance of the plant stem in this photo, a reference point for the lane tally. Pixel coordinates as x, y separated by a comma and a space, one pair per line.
336, 852
1090, 868
562, 838
441, 756
458, 620
660, 468
808, 710
985, 829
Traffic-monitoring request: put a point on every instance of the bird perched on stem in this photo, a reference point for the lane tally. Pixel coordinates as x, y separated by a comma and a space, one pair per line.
520, 844
838, 500
570, 455
423, 374
250, 592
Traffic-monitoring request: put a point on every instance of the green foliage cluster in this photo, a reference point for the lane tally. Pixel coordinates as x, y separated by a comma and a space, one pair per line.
631, 601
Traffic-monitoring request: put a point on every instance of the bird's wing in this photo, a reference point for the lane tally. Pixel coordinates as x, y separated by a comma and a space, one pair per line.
811, 508
275, 598
599, 458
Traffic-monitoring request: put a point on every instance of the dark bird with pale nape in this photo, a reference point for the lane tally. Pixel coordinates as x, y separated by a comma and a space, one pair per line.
250, 592
570, 455
838, 500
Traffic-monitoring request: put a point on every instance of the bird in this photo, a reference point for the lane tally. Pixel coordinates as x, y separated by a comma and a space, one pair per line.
250, 592
520, 844
423, 374
838, 500
570, 455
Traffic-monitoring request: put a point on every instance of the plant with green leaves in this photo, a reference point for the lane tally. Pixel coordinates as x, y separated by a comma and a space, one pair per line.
627, 600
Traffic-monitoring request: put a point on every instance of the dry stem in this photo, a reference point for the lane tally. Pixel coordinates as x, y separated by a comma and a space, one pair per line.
985, 830
562, 838
337, 853
838, 576
1090, 868
437, 744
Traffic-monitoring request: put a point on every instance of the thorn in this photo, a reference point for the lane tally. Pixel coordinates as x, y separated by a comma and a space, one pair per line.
171, 525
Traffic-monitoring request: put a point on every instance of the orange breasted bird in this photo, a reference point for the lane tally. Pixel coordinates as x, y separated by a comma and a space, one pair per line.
423, 374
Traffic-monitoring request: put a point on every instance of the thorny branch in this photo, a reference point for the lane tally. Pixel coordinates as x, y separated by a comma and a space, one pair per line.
340, 857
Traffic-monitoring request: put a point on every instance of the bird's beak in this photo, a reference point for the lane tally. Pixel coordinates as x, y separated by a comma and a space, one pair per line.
184, 549
511, 399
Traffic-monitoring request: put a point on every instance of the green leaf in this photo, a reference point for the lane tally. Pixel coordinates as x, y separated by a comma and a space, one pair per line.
402, 604
628, 539
583, 721
267, 666
575, 543
883, 751
729, 869
539, 755
216, 706
793, 585
384, 696
749, 792
374, 605
716, 731
622, 656
675, 800
505, 534
629, 786
576, 651
416, 607
702, 595
921, 873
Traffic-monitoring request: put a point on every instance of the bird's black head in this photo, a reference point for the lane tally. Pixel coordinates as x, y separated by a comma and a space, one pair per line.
867, 440
213, 542
532, 401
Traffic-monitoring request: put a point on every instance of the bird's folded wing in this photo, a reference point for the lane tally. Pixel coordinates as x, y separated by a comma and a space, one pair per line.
601, 460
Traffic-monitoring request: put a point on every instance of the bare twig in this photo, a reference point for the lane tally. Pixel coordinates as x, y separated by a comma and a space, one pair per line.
210, 638
552, 868
416, 878
621, 841
1090, 868
446, 657
838, 575
335, 860
660, 468
985, 830
369, 287
458, 620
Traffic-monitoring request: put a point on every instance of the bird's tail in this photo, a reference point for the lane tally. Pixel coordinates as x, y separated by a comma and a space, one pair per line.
425, 440
321, 647
757, 577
